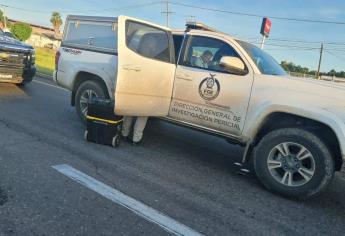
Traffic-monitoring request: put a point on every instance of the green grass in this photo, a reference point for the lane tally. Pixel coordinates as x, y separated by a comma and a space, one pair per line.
45, 60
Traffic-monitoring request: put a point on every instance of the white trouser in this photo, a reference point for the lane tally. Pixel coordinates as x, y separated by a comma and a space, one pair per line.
138, 129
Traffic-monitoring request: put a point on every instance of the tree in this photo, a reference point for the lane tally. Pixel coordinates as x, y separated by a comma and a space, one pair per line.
56, 20
341, 74
332, 73
21, 31
3, 18
289, 66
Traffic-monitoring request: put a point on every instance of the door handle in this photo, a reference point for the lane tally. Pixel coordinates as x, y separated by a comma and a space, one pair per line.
131, 67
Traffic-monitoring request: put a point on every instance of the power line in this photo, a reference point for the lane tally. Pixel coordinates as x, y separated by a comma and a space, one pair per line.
336, 49
78, 11
22, 9
261, 16
168, 12
307, 42
251, 38
335, 55
134, 6
298, 47
289, 49
341, 49
292, 46
289, 46
337, 46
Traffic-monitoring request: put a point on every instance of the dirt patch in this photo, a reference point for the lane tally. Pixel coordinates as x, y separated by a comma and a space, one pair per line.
3, 197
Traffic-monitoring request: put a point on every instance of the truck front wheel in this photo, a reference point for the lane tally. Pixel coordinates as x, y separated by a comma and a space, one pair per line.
86, 91
293, 162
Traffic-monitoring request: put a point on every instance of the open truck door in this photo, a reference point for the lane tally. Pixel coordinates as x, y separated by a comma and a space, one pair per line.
146, 68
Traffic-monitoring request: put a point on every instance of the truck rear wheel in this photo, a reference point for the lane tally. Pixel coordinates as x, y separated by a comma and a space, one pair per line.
86, 91
293, 162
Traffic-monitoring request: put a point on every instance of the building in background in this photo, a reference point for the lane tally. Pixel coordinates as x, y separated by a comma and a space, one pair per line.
42, 36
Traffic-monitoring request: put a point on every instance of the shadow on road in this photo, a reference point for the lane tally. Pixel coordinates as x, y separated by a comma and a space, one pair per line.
205, 149
11, 90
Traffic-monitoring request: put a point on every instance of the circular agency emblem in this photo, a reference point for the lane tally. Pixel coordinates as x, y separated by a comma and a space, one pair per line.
209, 88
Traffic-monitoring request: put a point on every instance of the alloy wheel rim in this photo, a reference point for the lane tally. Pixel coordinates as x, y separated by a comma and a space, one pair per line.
291, 164
85, 98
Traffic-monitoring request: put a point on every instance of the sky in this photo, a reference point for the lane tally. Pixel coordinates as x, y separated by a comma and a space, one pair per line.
245, 27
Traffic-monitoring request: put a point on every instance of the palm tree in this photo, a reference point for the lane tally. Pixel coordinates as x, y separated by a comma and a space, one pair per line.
56, 20
3, 19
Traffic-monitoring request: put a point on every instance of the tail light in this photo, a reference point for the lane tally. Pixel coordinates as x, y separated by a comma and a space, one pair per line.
57, 58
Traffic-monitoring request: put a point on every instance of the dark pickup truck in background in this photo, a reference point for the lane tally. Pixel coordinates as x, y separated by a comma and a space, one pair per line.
17, 61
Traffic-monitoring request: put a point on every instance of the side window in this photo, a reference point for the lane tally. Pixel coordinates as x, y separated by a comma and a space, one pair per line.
206, 53
148, 41
97, 35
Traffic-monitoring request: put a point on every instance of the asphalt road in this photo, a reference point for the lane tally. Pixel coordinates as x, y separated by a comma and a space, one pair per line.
186, 175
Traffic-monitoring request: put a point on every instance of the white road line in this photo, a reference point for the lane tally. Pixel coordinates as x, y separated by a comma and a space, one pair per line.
50, 85
130, 203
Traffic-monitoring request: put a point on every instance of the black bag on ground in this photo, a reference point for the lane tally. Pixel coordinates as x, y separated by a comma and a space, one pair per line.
103, 125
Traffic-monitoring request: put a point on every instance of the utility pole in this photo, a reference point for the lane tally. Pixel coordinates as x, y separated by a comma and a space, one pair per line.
167, 12
320, 59
263, 42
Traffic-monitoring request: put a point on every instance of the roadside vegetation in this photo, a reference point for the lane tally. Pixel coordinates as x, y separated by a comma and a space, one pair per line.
45, 60
291, 67
45, 57
21, 31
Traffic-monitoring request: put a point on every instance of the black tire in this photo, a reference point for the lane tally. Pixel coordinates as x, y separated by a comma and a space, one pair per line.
96, 89
26, 80
317, 157
22, 84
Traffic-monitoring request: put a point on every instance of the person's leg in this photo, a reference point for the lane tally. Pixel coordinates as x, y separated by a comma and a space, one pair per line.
126, 125
139, 127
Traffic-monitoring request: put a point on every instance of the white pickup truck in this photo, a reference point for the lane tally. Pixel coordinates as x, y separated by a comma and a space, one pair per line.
292, 129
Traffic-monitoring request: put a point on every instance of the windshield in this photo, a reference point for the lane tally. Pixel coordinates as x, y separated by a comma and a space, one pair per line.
265, 63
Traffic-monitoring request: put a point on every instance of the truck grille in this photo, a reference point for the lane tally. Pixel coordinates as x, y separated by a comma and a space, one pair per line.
12, 65
13, 59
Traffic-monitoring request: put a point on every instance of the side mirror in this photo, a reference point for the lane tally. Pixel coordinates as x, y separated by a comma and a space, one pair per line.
233, 64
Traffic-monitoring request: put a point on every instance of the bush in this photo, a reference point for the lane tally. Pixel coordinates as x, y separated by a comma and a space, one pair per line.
21, 31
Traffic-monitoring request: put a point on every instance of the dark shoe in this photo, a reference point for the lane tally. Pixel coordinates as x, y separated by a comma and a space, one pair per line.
129, 140
126, 139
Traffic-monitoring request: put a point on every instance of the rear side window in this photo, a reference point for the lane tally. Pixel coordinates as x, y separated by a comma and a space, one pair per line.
148, 41
93, 35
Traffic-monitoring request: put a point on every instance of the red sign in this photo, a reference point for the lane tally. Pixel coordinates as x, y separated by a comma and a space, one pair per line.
266, 27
